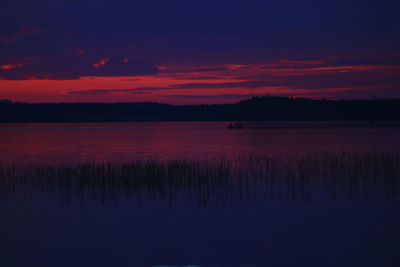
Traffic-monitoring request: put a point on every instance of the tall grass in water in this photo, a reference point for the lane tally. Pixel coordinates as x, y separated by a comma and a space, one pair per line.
337, 175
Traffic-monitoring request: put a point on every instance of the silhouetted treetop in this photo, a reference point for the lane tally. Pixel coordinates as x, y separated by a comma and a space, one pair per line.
264, 108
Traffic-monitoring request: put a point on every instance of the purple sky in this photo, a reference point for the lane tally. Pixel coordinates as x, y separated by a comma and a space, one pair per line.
197, 51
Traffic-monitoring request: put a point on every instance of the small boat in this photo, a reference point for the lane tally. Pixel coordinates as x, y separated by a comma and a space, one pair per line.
235, 126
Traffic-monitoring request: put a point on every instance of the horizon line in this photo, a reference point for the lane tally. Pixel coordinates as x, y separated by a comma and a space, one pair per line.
9, 101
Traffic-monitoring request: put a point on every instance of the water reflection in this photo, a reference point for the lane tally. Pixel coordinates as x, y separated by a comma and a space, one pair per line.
44, 143
164, 194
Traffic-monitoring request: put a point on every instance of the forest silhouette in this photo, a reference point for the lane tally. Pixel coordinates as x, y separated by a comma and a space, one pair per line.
264, 108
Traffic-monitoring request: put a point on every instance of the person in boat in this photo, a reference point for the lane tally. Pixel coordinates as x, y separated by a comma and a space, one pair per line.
235, 126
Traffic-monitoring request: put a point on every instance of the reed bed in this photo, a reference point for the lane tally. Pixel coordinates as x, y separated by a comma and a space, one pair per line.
293, 178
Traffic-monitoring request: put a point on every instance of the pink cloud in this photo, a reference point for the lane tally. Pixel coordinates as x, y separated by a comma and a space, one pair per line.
101, 63
290, 62
22, 62
11, 66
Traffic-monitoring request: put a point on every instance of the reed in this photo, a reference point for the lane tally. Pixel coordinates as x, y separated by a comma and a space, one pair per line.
293, 178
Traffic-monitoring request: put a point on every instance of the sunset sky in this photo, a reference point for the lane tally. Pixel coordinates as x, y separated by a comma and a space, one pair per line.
192, 52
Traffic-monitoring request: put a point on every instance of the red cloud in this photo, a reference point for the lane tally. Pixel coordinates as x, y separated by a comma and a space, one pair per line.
22, 33
296, 62
101, 63
11, 66
16, 65
79, 51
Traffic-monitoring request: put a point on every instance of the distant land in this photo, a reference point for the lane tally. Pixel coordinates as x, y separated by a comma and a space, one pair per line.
264, 108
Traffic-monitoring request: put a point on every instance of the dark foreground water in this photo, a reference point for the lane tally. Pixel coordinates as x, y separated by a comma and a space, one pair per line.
262, 196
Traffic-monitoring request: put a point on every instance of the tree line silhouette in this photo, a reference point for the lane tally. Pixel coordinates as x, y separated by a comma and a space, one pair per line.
260, 108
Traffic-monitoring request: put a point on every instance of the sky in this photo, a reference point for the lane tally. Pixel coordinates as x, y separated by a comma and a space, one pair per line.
197, 52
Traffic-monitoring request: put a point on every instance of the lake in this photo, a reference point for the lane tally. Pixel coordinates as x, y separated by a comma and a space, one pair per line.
81, 142
271, 194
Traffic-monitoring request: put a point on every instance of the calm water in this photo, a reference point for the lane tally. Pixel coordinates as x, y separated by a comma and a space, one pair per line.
77, 142
41, 230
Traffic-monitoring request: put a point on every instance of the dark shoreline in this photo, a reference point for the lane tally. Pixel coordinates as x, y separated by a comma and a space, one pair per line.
254, 109
393, 125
